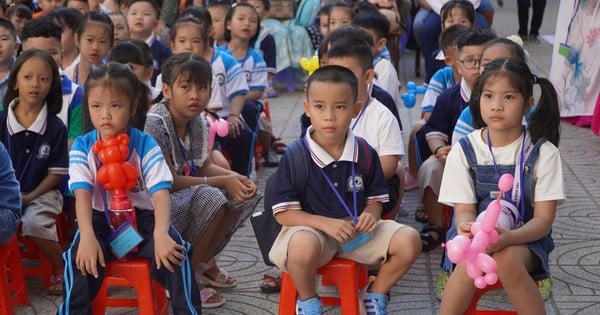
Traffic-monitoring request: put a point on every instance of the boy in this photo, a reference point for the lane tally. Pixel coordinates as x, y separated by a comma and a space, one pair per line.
438, 130
378, 26
315, 223
81, 5
375, 123
67, 19
218, 10
142, 18
18, 15
42, 33
47, 6
8, 36
10, 203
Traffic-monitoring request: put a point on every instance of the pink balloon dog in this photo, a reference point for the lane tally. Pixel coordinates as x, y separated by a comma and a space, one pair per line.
218, 126
480, 266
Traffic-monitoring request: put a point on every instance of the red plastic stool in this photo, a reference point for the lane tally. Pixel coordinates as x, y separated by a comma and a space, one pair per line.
12, 292
472, 310
151, 297
348, 276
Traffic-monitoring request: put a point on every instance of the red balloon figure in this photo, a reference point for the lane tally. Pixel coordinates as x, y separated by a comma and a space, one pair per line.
118, 176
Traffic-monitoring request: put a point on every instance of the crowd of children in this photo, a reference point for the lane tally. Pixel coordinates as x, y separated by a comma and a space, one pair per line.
73, 75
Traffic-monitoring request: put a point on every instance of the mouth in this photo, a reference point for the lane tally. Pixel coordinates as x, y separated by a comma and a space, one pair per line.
329, 129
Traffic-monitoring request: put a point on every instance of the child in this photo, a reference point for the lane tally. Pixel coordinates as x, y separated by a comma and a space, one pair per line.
501, 97
340, 14
47, 6
498, 48
37, 143
42, 33
142, 18
81, 5
377, 26
8, 34
438, 129
218, 10
10, 204
68, 19
111, 93
265, 44
121, 28
137, 55
209, 203
18, 15
315, 222
94, 38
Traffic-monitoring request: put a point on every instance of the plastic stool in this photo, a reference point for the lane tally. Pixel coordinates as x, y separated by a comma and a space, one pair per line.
44, 269
287, 75
348, 276
151, 297
12, 292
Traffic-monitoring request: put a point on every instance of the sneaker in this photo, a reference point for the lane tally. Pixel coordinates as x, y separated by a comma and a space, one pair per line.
440, 284
312, 306
376, 303
545, 287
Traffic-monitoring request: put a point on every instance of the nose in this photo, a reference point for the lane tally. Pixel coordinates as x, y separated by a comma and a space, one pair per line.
194, 94
329, 114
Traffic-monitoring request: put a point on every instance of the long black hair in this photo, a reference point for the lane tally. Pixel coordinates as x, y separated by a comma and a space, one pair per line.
544, 121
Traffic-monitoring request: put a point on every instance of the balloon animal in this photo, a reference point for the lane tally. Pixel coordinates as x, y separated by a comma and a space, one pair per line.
217, 126
410, 98
480, 266
309, 65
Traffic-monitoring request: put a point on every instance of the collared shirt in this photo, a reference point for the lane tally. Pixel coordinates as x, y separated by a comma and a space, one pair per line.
319, 197
37, 150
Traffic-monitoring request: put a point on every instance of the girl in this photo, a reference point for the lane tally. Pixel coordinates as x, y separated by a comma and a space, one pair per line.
94, 38
209, 203
68, 19
120, 25
340, 14
501, 97
110, 100
241, 29
36, 140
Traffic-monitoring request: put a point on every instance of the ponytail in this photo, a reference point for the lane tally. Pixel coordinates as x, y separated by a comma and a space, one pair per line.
544, 122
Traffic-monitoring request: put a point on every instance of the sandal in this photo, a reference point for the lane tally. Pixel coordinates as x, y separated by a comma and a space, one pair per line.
421, 215
211, 298
56, 285
271, 283
219, 280
428, 240
277, 145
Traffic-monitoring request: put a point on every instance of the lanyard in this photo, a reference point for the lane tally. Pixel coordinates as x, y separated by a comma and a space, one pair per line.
353, 215
361, 111
191, 165
518, 197
9, 140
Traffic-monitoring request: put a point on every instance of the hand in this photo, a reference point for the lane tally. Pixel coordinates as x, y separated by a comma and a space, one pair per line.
25, 199
367, 222
341, 230
235, 126
89, 254
503, 241
464, 229
167, 252
240, 187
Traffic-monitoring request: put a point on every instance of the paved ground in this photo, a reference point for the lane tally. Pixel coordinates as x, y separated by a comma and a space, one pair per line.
575, 264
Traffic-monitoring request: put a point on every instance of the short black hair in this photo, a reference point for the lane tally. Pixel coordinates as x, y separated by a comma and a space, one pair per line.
66, 17
348, 48
194, 68
21, 11
99, 18
450, 35
373, 20
465, 5
475, 36
146, 51
152, 3
41, 27
336, 75
127, 52
10, 27
200, 13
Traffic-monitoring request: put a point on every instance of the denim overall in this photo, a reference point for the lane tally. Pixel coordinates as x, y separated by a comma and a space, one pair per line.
485, 180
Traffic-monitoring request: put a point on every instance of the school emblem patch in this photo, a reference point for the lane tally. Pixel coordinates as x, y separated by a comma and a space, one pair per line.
44, 152
358, 183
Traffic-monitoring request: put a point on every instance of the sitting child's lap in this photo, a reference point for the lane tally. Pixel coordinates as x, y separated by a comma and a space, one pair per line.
430, 175
372, 253
39, 216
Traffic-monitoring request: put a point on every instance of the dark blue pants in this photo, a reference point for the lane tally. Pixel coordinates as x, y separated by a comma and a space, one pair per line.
79, 290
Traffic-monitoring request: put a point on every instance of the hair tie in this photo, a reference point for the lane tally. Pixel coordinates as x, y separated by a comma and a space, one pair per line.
534, 78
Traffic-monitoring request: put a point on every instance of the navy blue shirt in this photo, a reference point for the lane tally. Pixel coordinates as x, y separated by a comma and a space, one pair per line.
35, 155
319, 197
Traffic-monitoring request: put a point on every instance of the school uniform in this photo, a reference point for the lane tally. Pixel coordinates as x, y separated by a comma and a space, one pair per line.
441, 81
319, 198
10, 203
228, 73
147, 158
160, 53
71, 112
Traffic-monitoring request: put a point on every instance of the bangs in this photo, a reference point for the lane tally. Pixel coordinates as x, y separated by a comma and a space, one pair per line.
194, 72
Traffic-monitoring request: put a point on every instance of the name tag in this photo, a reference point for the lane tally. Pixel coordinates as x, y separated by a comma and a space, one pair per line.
124, 239
360, 239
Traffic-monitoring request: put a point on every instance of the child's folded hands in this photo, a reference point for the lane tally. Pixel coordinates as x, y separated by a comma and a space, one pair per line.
367, 222
240, 188
340, 229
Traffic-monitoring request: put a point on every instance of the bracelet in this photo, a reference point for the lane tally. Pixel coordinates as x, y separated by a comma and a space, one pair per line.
205, 180
437, 149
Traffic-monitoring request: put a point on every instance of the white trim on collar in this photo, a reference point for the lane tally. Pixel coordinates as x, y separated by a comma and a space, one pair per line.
322, 158
465, 90
38, 126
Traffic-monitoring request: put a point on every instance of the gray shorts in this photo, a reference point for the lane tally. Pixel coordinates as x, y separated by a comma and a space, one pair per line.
39, 216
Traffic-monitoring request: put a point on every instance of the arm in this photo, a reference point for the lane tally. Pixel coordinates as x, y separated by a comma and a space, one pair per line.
166, 250
254, 95
464, 216
389, 164
340, 229
49, 182
89, 252
236, 125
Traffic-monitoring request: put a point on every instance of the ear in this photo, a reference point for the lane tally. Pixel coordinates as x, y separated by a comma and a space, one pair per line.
356, 109
380, 44
76, 40
166, 90
529, 104
306, 107
449, 61
148, 72
17, 45
211, 32
369, 75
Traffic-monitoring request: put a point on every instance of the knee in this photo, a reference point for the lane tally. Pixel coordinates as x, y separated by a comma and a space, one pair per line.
509, 269
303, 248
406, 244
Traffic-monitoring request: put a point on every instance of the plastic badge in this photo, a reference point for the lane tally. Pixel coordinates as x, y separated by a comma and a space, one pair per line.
124, 239
360, 239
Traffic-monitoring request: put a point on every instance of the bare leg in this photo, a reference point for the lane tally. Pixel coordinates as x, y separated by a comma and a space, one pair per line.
201, 251
51, 249
458, 292
413, 165
432, 207
303, 251
403, 250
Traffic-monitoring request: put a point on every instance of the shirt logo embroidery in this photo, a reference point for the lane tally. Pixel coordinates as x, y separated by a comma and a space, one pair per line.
248, 75
44, 152
358, 181
220, 78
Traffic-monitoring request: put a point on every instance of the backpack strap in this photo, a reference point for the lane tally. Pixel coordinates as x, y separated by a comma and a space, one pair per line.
363, 153
298, 162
